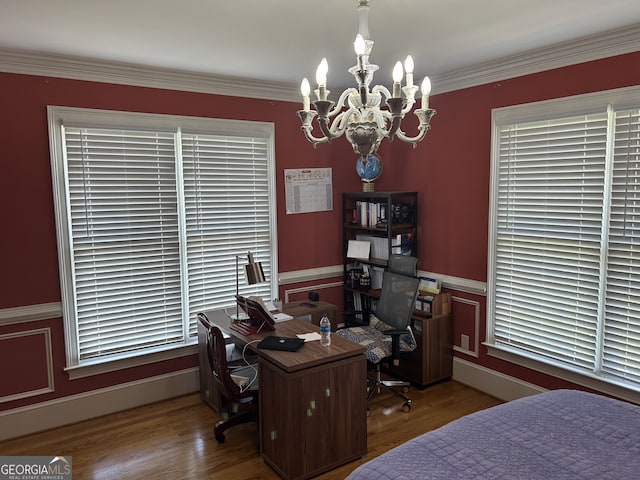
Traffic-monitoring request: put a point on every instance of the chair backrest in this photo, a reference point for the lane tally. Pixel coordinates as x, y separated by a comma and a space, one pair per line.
404, 264
217, 357
398, 296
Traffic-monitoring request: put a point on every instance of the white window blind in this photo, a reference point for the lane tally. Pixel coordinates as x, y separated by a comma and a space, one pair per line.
565, 239
621, 349
227, 212
151, 217
125, 243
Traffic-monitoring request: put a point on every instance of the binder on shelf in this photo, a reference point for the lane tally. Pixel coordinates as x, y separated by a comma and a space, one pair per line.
401, 244
376, 278
379, 248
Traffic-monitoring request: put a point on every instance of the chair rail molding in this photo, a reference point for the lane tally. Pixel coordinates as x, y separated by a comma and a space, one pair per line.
30, 313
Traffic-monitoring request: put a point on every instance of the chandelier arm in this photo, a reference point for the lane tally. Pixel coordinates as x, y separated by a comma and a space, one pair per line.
413, 140
323, 123
424, 116
410, 97
410, 100
342, 101
382, 118
394, 128
306, 117
338, 126
410, 103
314, 140
381, 89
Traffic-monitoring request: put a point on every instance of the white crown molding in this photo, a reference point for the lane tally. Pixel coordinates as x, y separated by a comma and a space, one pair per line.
586, 49
608, 44
81, 68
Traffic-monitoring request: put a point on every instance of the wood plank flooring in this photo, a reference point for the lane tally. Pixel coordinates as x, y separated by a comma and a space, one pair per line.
173, 439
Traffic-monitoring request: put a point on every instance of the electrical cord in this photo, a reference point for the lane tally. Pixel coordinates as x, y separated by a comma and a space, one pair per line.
250, 365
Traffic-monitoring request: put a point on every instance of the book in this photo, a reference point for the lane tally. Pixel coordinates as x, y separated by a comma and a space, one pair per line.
429, 285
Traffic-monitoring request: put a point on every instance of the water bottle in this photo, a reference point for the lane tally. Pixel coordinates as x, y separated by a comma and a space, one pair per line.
325, 331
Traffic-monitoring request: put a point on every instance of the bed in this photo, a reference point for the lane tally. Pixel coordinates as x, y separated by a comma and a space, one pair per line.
560, 434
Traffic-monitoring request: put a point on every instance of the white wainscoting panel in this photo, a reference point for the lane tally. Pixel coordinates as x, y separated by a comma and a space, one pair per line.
48, 366
476, 327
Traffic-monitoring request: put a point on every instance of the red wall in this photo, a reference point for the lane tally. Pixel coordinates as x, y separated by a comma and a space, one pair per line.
28, 241
461, 148
29, 256
450, 169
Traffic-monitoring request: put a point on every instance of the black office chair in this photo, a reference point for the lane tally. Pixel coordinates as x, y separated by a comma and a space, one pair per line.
389, 331
238, 385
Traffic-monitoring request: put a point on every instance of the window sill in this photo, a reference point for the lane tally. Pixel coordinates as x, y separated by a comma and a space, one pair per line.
593, 382
97, 368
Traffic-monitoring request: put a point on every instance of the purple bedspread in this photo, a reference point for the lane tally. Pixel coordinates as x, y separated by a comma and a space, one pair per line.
561, 434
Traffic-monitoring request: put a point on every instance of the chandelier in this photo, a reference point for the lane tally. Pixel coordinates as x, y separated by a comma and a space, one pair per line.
359, 112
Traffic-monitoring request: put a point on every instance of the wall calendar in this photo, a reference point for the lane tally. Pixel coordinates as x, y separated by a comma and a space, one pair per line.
308, 190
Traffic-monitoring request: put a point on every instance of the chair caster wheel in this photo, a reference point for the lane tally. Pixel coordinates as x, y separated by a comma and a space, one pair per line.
405, 389
406, 407
220, 438
368, 412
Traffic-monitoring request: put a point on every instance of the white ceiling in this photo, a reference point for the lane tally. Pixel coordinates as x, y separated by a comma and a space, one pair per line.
283, 40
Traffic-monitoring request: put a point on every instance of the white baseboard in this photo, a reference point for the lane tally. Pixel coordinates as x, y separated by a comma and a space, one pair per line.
494, 383
76, 408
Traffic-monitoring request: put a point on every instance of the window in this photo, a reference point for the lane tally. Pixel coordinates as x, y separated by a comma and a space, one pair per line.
151, 212
564, 288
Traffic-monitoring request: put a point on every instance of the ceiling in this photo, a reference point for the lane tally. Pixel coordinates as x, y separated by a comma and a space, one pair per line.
283, 40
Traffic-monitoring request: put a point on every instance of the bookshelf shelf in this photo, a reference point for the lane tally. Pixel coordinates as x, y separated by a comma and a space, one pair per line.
385, 220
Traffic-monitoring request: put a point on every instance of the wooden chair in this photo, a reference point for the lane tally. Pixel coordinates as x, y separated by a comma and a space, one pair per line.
238, 386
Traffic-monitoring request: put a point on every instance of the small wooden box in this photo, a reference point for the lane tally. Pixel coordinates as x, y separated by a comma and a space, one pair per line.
312, 311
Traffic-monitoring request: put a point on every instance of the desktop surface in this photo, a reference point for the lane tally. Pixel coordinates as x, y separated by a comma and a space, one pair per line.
309, 355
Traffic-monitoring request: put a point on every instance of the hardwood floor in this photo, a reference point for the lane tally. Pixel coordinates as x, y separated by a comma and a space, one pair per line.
173, 439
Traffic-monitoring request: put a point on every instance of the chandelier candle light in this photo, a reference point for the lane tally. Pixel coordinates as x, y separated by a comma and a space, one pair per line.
359, 111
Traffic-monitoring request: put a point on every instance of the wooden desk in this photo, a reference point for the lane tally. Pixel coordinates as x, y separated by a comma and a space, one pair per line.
313, 402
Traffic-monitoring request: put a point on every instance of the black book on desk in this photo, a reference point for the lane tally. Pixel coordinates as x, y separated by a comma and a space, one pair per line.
288, 344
